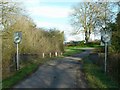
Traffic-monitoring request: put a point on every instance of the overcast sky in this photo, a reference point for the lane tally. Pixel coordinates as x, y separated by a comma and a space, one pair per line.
53, 14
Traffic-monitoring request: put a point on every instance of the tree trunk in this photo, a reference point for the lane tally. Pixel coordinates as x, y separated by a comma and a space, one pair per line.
86, 37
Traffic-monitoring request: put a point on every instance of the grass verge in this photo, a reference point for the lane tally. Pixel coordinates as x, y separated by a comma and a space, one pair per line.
96, 77
27, 70
19, 75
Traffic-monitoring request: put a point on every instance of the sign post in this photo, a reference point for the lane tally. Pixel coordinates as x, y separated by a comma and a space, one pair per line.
106, 39
105, 56
17, 40
17, 56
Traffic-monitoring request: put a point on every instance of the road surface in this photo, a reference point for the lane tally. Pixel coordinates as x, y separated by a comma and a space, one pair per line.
62, 73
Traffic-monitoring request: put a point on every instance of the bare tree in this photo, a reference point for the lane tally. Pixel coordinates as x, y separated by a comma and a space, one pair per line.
88, 16
83, 18
9, 11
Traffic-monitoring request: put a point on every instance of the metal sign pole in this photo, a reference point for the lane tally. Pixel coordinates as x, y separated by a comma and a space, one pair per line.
17, 58
17, 40
105, 56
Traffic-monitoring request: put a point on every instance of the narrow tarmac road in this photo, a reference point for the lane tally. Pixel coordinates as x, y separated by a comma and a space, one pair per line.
62, 73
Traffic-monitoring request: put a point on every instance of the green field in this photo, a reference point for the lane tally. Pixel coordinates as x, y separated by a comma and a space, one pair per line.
72, 50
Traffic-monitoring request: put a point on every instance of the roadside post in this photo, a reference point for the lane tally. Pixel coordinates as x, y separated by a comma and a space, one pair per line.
17, 40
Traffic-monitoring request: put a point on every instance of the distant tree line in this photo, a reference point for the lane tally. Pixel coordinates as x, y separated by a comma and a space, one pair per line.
82, 43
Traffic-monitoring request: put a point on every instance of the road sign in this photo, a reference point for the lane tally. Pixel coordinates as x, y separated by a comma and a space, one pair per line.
17, 37
106, 38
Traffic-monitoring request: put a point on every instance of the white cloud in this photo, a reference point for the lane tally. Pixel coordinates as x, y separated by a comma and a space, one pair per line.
63, 27
51, 12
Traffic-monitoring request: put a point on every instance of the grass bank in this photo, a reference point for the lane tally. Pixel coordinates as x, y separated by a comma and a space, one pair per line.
96, 77
19, 75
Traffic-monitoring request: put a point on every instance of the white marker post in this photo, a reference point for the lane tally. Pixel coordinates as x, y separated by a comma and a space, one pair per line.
43, 55
56, 54
50, 54
61, 53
